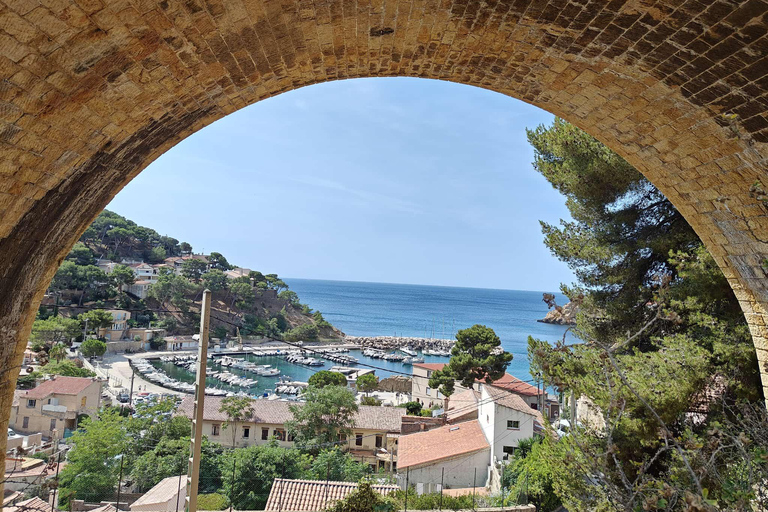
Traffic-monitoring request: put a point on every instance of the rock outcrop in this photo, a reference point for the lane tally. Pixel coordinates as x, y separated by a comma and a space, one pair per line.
562, 315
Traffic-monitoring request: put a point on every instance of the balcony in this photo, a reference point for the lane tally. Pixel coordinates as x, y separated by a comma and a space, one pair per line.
57, 411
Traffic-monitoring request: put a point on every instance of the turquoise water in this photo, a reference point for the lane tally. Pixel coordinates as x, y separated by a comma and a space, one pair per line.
377, 309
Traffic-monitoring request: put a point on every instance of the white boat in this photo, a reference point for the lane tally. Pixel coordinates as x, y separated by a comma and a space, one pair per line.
408, 350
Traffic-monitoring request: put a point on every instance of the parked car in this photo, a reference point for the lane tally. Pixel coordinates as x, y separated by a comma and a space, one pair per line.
123, 398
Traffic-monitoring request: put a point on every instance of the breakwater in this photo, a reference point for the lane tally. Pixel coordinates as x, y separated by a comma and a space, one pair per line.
395, 342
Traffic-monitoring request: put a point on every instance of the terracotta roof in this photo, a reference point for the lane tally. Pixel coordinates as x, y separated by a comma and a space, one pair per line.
440, 443
60, 385
164, 491
508, 382
368, 417
311, 495
463, 405
106, 508
510, 400
35, 504
430, 366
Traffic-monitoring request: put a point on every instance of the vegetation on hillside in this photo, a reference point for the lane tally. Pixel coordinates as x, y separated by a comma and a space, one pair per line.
257, 304
666, 355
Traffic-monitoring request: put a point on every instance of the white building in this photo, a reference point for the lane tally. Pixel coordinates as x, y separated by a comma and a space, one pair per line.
505, 419
454, 456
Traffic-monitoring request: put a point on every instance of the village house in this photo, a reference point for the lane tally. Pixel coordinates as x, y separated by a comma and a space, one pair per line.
139, 288
455, 456
373, 439
505, 419
176, 262
54, 406
237, 272
144, 272
312, 495
121, 330
533, 396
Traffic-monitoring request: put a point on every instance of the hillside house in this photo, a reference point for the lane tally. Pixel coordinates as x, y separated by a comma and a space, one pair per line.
505, 419
118, 329
373, 439
461, 450
53, 407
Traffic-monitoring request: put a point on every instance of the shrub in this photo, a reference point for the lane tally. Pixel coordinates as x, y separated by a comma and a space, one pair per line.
370, 400
413, 408
211, 501
92, 347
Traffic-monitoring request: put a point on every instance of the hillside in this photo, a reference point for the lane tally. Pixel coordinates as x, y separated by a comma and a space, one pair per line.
118, 264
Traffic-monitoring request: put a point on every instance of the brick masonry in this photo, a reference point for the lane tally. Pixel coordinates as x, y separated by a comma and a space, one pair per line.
92, 91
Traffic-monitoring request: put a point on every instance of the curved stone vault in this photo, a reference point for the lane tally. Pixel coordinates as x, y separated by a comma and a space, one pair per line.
92, 91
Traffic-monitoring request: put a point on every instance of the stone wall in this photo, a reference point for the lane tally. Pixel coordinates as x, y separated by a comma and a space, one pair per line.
91, 92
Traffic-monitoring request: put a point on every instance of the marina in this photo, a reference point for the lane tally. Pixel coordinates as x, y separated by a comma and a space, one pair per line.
273, 373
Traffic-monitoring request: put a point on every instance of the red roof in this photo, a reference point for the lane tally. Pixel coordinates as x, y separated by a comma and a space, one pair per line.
441, 443
430, 366
508, 382
310, 495
59, 385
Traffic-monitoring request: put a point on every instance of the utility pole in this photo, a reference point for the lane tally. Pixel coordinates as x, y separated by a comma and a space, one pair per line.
85, 329
193, 474
120, 481
130, 394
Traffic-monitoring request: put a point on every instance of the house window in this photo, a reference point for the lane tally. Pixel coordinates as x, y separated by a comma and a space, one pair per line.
358, 439
487, 419
246, 432
534, 406
83, 400
290, 437
427, 389
31, 403
379, 441
264, 434
214, 430
280, 434
53, 424
508, 450
429, 373
342, 438
25, 423
513, 425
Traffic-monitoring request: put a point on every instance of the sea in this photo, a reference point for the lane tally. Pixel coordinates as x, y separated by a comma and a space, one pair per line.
383, 309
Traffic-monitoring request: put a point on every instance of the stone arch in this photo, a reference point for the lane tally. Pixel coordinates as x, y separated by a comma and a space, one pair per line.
92, 91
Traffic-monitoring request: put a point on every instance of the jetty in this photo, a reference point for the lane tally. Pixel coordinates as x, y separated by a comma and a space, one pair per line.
400, 342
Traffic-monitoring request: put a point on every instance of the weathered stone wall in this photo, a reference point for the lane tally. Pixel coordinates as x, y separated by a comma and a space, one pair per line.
92, 91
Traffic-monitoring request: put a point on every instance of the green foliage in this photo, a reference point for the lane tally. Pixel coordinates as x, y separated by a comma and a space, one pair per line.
157, 254
213, 501
367, 383
327, 378
171, 288
254, 469
290, 297
301, 332
93, 462
413, 408
97, 319
220, 332
40, 455
54, 330
328, 412
370, 400
28, 381
529, 477
333, 464
318, 317
242, 293
93, 347
81, 255
364, 499
58, 352
215, 280
217, 261
433, 501
237, 408
477, 355
66, 368
122, 275
275, 283
193, 269
185, 248
168, 458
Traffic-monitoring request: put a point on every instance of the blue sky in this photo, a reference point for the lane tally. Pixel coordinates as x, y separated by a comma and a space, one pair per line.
396, 180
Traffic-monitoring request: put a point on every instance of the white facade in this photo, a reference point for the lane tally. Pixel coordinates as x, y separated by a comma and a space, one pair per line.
503, 426
459, 473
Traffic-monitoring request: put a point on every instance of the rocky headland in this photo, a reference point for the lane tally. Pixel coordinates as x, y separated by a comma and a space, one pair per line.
562, 315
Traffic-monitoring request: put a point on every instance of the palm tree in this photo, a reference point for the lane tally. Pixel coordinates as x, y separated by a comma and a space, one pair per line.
58, 352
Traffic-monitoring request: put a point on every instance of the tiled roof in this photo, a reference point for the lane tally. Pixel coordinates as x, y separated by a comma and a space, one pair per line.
430, 366
33, 505
60, 385
105, 508
508, 382
440, 443
164, 491
512, 401
463, 405
311, 495
275, 412
28, 467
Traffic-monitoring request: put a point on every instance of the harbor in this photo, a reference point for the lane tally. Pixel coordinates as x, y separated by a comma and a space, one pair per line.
270, 372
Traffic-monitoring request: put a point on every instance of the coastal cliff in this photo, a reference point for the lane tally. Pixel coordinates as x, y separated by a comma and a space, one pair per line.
562, 315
